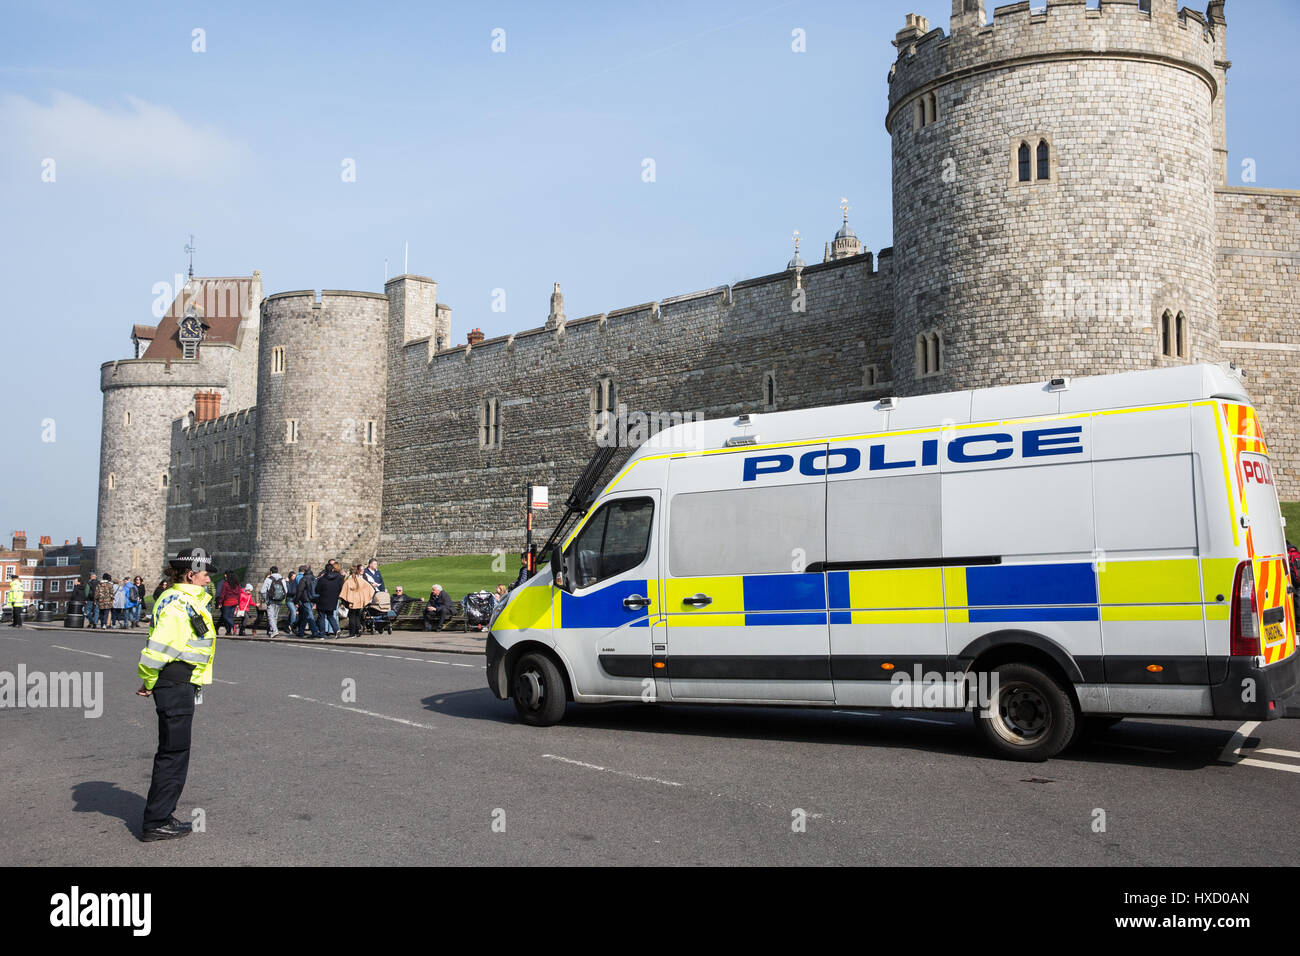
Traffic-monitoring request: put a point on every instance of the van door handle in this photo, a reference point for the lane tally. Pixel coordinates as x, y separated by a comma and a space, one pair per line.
634, 602
697, 600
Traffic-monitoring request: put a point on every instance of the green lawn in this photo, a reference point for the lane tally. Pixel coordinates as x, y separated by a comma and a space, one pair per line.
1291, 511
458, 574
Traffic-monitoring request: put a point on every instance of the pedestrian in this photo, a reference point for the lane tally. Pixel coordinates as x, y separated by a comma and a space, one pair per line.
75, 593
15, 600
328, 587
399, 603
120, 594
137, 600
88, 606
499, 597
174, 666
305, 594
356, 593
272, 593
246, 608
372, 575
228, 601
291, 601
104, 600
438, 611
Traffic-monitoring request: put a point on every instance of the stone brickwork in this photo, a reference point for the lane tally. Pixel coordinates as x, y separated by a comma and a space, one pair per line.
210, 499
1259, 313
319, 496
705, 352
1066, 275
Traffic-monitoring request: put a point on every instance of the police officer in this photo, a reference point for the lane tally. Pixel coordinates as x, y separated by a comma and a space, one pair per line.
16, 602
175, 664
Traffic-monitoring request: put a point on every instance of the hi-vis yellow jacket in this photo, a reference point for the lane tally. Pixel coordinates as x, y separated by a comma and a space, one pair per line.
172, 637
15, 593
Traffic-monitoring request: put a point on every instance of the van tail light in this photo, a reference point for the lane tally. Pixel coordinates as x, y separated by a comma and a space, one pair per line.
1245, 613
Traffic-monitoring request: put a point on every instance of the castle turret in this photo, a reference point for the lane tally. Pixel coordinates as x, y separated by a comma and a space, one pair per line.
143, 396
322, 385
1053, 178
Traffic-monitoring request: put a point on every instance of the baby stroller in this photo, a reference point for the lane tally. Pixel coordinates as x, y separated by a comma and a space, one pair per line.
478, 610
374, 616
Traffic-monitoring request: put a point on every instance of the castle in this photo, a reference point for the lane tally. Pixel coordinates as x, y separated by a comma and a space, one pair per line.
1060, 207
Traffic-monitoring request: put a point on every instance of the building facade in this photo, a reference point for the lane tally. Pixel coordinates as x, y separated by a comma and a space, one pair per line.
1060, 207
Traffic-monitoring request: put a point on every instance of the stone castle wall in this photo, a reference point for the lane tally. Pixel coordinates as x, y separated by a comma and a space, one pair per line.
1259, 309
1070, 274
210, 501
130, 527
320, 497
706, 353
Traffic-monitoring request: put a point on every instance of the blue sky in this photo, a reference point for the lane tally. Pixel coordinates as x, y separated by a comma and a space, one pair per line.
507, 170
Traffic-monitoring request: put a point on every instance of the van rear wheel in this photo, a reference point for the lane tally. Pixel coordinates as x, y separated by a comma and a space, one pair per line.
1033, 717
538, 690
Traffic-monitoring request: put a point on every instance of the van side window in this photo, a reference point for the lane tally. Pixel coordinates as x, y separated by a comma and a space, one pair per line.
615, 540
775, 530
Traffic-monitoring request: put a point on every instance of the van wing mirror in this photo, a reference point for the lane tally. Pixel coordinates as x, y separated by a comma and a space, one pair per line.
559, 573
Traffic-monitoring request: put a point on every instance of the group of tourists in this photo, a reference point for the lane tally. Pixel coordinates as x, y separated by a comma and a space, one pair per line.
108, 604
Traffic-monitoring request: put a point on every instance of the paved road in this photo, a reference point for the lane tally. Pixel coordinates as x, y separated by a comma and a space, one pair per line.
419, 767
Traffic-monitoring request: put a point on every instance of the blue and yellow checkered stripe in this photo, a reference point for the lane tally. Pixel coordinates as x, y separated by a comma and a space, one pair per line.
1148, 590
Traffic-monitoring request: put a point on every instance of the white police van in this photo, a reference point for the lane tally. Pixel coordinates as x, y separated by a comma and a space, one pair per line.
1097, 548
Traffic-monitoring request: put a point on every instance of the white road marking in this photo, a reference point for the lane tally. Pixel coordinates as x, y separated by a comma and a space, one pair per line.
1279, 753
10, 637
218, 680
78, 650
621, 773
1233, 753
1232, 749
1270, 764
367, 713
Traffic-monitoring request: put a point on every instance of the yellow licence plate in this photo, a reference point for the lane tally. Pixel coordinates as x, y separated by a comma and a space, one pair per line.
1274, 634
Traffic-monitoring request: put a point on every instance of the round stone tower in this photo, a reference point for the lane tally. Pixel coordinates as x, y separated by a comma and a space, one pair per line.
322, 381
1053, 191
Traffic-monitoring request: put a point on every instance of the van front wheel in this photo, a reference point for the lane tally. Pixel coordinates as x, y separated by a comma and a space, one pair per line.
1033, 717
538, 690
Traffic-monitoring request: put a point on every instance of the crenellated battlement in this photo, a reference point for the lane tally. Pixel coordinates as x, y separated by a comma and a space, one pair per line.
1064, 29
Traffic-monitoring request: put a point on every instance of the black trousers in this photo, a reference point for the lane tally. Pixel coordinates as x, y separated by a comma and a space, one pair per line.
354, 621
436, 620
17, 620
173, 697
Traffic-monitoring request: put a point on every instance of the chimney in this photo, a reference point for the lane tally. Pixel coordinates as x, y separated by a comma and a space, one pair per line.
78, 542
20, 540
65, 542
207, 406
46, 540
475, 336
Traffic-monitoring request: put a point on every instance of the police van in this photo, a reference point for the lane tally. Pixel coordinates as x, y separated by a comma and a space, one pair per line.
1098, 548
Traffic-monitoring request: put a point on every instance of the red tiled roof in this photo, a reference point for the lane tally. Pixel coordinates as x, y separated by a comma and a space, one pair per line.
144, 331
220, 303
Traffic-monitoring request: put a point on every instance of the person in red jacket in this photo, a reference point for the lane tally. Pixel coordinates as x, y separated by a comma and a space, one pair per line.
228, 601
246, 610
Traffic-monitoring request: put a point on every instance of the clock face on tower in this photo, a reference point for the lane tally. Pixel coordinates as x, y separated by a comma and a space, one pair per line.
191, 329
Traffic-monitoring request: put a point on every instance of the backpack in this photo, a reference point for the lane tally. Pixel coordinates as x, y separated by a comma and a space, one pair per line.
276, 591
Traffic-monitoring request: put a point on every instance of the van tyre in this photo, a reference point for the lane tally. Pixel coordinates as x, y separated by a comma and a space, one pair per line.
538, 690
1034, 717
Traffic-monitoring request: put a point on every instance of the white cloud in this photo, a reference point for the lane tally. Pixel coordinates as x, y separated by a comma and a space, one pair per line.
140, 140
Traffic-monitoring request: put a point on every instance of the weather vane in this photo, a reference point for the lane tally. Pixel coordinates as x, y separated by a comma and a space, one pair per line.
796, 242
190, 249
844, 204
